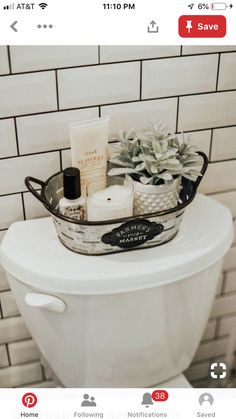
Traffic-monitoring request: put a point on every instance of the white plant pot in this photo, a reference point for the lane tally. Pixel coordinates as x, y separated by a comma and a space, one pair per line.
152, 198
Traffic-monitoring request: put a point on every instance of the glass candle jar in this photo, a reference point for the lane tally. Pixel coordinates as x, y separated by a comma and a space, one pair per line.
109, 203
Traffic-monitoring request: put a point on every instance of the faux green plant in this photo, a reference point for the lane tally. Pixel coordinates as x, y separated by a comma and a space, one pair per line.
155, 156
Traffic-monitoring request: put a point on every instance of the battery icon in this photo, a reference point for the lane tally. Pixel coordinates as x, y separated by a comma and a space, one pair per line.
218, 6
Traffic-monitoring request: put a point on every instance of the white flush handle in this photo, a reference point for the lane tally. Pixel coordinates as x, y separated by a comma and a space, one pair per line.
49, 302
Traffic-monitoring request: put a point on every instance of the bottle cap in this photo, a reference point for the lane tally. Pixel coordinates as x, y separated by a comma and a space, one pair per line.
71, 182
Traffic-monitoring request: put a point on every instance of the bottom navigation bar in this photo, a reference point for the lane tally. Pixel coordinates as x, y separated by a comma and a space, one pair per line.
117, 403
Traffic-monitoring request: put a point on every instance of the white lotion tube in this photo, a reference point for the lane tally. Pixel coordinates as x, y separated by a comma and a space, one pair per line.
89, 147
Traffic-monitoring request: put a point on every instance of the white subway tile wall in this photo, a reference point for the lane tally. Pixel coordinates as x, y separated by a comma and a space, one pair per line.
171, 77
12, 329
4, 362
205, 49
137, 114
18, 375
110, 53
89, 86
4, 63
11, 210
28, 93
224, 144
227, 72
13, 171
220, 177
42, 89
48, 131
228, 199
8, 145
33, 208
3, 279
24, 351
33, 58
9, 307
202, 139
207, 111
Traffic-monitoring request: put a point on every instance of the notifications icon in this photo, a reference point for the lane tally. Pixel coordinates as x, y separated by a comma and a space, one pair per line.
147, 399
29, 400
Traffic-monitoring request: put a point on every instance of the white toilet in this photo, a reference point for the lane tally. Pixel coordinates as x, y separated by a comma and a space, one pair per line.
131, 319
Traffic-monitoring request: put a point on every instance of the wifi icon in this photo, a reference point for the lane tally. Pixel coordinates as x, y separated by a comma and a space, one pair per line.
43, 5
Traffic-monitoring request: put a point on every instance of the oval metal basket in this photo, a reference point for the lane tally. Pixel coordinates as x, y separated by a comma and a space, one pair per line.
106, 237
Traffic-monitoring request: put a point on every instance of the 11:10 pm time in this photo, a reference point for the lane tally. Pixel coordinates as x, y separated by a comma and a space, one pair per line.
119, 6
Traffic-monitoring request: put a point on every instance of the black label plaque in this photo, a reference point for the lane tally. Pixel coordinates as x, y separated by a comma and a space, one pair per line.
133, 233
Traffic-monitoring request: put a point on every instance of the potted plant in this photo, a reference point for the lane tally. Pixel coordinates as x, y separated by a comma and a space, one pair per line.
154, 162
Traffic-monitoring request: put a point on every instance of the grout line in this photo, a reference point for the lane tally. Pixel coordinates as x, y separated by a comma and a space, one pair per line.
18, 340
15, 316
177, 115
43, 372
53, 111
224, 317
35, 384
57, 90
75, 67
60, 155
212, 340
218, 72
99, 111
1, 312
141, 81
224, 285
32, 384
23, 364
4, 292
9, 60
125, 103
228, 294
99, 54
181, 51
211, 145
222, 160
17, 139
124, 61
8, 355
14, 193
217, 328
67, 148
231, 270
220, 192
209, 360
36, 153
23, 205
209, 92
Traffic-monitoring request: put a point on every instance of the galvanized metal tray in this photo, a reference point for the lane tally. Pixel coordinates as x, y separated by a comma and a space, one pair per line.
112, 236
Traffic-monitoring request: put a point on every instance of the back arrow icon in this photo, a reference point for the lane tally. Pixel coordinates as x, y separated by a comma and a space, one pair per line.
13, 26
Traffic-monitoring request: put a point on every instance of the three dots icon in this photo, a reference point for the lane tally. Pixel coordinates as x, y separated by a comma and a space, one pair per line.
44, 26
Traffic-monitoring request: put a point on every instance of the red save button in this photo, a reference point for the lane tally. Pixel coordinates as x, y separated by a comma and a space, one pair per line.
202, 26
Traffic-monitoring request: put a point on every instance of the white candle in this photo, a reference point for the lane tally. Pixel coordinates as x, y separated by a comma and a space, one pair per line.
116, 201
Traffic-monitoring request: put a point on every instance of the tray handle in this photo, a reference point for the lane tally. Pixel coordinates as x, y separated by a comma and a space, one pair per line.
28, 183
203, 169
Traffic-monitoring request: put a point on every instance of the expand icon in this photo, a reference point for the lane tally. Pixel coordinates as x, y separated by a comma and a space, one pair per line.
218, 370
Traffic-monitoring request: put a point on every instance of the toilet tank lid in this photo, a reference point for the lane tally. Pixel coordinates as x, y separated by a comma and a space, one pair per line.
32, 253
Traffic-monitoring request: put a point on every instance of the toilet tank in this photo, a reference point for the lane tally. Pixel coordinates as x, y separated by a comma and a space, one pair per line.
126, 320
